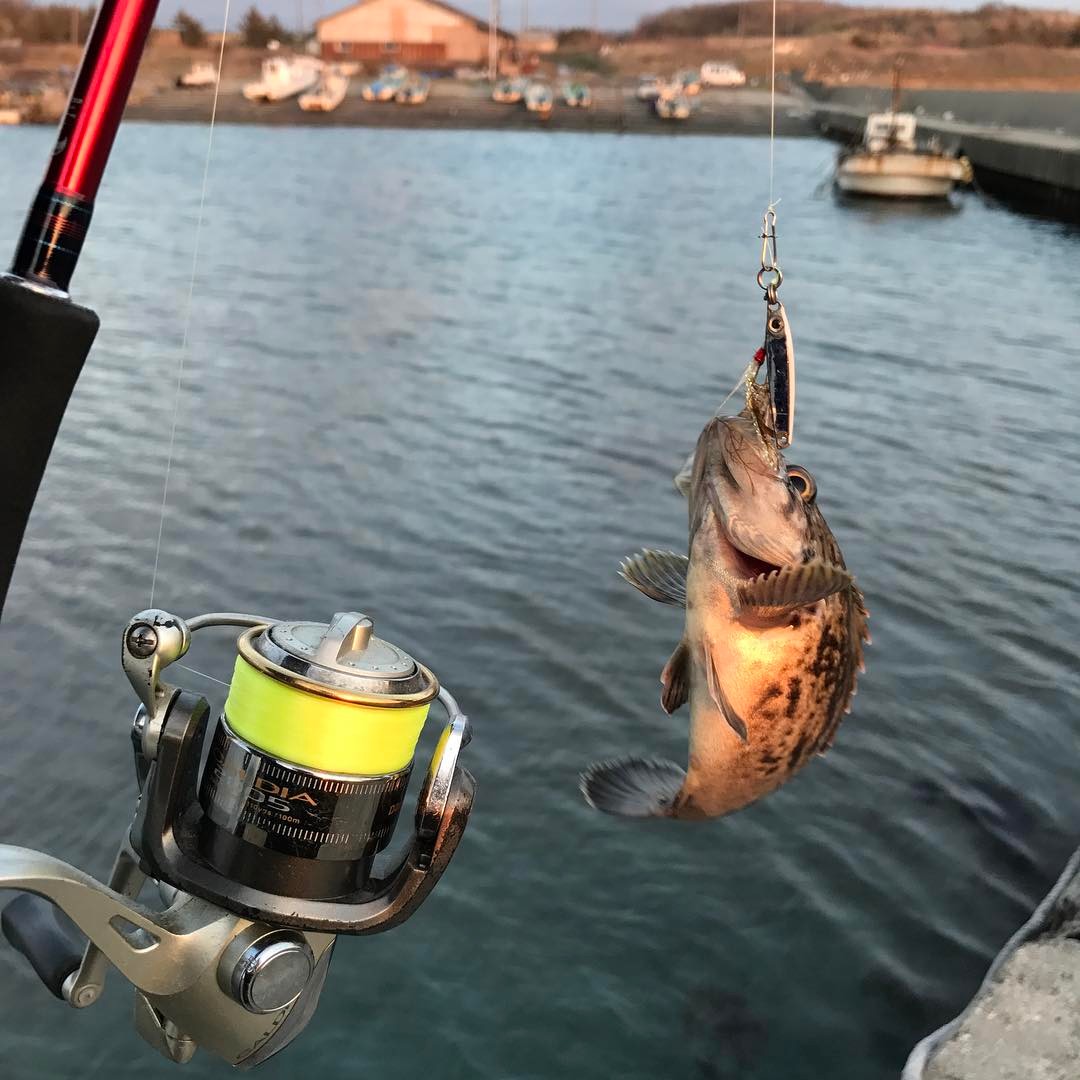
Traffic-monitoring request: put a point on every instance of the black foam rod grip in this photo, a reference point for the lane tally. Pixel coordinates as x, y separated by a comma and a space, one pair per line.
46, 937
44, 340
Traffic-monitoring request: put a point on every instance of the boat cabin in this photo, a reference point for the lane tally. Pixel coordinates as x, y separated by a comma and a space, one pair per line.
889, 131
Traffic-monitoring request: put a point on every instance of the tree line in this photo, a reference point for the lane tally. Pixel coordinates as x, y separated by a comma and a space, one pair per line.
991, 24
57, 23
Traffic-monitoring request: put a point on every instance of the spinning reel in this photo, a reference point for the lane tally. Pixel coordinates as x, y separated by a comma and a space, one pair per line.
262, 856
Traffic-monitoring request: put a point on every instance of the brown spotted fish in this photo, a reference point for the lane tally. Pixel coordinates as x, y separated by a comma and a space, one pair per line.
775, 626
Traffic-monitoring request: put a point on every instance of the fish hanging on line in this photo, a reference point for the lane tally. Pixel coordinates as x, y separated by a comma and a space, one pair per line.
775, 627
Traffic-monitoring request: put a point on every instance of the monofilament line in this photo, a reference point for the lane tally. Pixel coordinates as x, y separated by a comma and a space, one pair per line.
187, 313
772, 105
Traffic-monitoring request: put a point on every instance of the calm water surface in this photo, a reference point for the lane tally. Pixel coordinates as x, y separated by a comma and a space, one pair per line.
446, 379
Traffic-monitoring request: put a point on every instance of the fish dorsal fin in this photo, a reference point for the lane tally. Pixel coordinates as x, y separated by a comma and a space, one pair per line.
660, 575
716, 692
675, 678
782, 591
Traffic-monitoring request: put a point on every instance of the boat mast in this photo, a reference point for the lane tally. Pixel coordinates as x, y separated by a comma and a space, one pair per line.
894, 106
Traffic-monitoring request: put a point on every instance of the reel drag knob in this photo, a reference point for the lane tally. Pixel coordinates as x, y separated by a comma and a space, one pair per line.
310, 760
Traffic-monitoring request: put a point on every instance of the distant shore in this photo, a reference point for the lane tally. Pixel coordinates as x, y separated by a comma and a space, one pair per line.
455, 104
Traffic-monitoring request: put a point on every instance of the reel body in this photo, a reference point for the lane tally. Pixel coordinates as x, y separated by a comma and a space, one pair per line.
263, 859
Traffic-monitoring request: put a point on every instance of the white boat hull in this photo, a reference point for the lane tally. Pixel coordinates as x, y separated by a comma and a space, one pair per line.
327, 96
284, 79
901, 174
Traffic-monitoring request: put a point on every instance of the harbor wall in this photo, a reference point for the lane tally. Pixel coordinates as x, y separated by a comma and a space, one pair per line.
1018, 109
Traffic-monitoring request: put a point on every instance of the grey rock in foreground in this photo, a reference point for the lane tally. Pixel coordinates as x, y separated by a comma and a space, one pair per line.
1024, 1023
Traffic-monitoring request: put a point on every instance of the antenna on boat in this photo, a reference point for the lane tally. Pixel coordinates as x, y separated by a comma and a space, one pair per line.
898, 63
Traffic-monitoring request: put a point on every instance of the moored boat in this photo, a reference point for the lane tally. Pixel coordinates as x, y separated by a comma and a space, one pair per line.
577, 95
689, 80
672, 104
413, 91
539, 99
386, 86
648, 88
327, 94
284, 77
890, 163
198, 75
508, 91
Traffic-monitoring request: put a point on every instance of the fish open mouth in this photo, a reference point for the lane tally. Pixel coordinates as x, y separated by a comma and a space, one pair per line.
740, 563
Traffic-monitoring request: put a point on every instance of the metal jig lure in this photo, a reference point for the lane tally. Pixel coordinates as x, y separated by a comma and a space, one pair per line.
779, 348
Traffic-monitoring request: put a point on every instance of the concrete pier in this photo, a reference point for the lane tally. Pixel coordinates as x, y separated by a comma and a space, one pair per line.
1024, 1022
1036, 169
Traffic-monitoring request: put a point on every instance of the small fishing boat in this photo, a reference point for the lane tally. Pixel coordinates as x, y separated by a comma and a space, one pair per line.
10, 117
198, 75
689, 80
413, 91
648, 88
386, 86
328, 93
508, 91
890, 163
577, 95
284, 77
672, 104
539, 99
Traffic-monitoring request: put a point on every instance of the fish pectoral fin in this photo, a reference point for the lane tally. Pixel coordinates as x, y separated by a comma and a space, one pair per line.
660, 575
774, 595
716, 692
633, 787
675, 679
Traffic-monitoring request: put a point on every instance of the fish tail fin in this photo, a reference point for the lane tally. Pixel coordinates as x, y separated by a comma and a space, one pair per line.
633, 787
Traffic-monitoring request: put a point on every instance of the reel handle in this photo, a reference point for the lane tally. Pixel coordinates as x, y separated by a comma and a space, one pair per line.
46, 937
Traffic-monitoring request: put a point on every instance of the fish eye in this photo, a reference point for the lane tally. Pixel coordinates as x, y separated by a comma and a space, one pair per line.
803, 483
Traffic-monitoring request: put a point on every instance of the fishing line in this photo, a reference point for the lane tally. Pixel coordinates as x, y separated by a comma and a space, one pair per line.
187, 312
202, 675
772, 107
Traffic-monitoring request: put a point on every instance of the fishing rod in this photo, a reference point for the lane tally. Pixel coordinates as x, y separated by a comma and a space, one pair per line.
46, 336
236, 876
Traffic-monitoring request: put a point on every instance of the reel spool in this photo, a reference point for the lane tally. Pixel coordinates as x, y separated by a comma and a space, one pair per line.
263, 860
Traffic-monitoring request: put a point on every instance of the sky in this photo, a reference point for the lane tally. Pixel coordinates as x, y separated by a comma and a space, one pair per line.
610, 14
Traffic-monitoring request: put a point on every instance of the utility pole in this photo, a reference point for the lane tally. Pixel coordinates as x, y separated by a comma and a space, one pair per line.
595, 18
493, 42
524, 14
